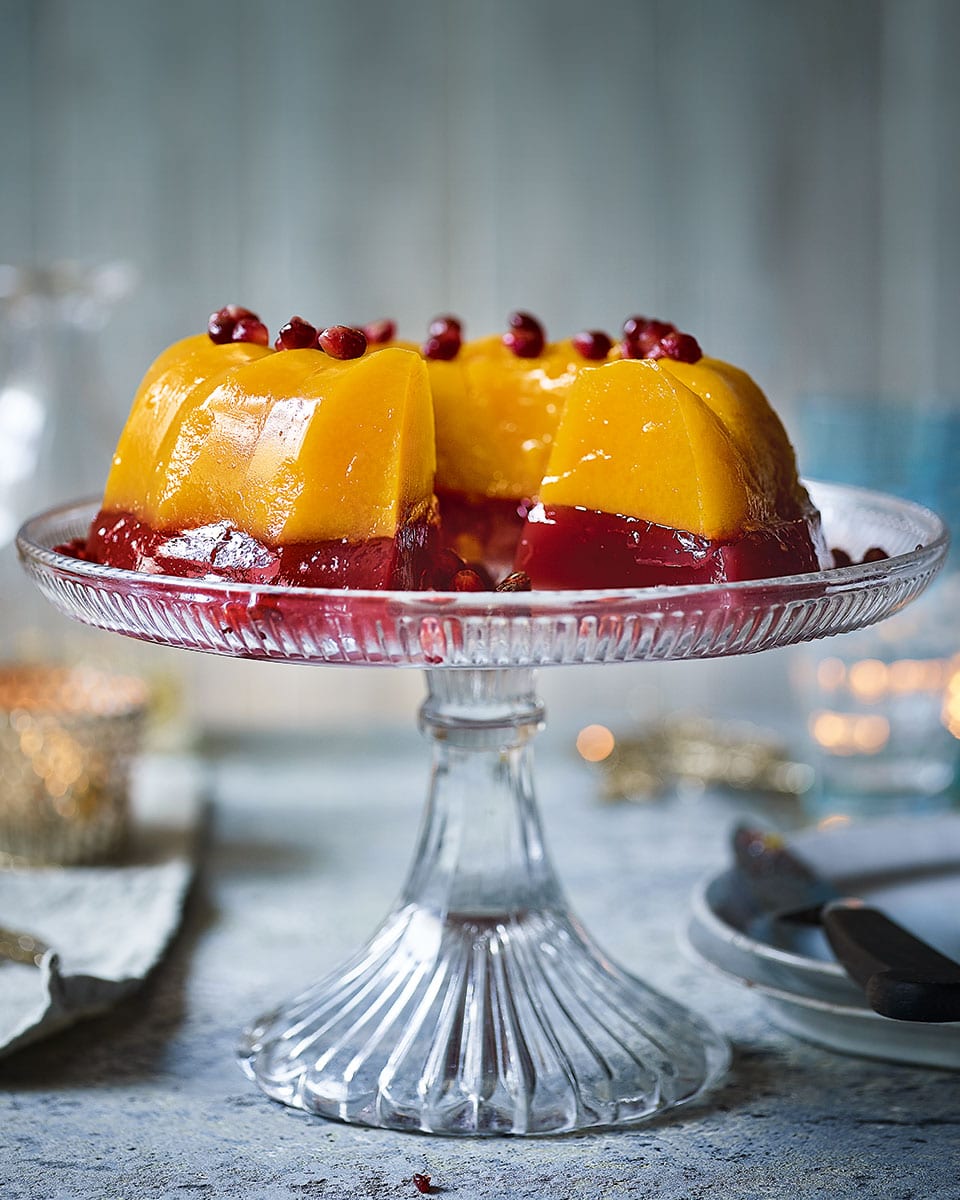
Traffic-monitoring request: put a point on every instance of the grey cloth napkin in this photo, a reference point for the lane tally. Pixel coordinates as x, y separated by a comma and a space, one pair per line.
106, 926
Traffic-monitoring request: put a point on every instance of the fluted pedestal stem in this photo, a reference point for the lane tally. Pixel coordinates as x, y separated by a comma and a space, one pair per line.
480, 1006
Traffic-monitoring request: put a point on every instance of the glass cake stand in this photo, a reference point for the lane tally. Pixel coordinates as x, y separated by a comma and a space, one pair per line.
481, 1005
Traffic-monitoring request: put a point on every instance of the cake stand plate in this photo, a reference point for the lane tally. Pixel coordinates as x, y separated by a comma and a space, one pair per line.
480, 1005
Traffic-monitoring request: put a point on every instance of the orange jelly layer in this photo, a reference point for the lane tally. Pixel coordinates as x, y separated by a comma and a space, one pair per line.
496, 416
704, 453
292, 447
574, 548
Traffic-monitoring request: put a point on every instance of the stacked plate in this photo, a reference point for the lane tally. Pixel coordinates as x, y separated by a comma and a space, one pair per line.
909, 868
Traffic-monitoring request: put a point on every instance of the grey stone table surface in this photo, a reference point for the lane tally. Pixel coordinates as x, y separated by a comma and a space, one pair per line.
307, 847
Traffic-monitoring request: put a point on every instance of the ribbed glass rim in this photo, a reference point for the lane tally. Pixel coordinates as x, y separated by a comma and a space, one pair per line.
40, 533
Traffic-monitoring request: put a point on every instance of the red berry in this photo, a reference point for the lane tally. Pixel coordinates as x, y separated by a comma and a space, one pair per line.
445, 324
466, 580
221, 324
422, 1183
682, 347
875, 554
840, 557
297, 334
251, 329
526, 322
524, 343
486, 579
378, 332
342, 341
641, 337
444, 346
592, 344
632, 327
220, 329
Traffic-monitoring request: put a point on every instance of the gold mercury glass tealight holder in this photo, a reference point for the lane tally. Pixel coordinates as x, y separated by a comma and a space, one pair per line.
67, 738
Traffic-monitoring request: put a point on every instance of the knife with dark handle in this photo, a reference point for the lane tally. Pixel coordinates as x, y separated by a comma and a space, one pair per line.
902, 976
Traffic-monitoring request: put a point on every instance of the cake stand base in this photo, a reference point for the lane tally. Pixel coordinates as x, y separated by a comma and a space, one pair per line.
480, 1006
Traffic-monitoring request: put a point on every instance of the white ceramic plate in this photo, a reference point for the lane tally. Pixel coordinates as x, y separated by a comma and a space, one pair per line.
908, 867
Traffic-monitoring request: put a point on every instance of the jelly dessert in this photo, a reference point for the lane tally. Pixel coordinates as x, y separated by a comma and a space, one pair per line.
668, 470
313, 465
342, 457
497, 401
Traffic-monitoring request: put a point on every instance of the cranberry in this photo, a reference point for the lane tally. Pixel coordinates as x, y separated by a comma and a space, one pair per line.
525, 337
445, 324
486, 578
378, 332
642, 337
439, 576
840, 557
523, 343
633, 326
525, 321
519, 581
222, 323
467, 580
682, 347
75, 548
592, 344
422, 1183
251, 329
297, 334
875, 554
442, 345
342, 341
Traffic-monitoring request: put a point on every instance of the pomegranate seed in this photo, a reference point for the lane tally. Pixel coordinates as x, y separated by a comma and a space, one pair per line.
524, 343
442, 345
592, 344
342, 341
422, 1183
875, 554
222, 323
841, 558
642, 340
485, 577
446, 564
297, 334
519, 581
378, 332
467, 580
220, 329
446, 324
251, 329
682, 347
525, 321
633, 326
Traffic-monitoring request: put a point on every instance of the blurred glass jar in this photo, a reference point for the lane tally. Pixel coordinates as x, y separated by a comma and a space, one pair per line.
56, 430
67, 740
56, 427
882, 706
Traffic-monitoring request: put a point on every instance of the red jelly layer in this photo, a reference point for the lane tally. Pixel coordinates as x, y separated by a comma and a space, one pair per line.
119, 539
482, 529
564, 547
